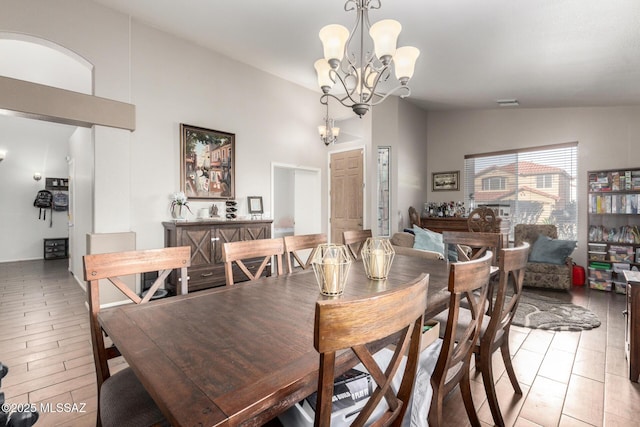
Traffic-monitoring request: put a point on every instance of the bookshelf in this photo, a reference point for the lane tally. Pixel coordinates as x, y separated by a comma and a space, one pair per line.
613, 227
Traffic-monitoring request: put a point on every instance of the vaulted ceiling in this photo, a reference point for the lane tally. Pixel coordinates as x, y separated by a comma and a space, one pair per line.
545, 53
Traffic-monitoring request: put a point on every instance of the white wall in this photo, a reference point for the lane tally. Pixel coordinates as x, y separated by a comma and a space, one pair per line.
607, 138
402, 126
171, 82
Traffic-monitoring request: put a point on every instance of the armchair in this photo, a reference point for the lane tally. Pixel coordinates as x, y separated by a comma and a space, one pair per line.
542, 274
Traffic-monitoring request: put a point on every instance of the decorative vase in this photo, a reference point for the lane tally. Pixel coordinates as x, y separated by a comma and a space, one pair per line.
177, 212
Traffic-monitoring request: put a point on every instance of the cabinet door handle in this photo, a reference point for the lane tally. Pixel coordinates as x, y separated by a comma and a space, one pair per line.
207, 274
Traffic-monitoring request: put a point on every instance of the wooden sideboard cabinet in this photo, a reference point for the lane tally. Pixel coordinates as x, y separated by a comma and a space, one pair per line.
205, 237
632, 326
439, 225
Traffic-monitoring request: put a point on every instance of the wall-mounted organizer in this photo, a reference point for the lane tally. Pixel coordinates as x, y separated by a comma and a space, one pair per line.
232, 209
61, 184
59, 187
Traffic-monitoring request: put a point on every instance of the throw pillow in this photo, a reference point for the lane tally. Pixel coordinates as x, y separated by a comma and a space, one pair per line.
551, 251
428, 240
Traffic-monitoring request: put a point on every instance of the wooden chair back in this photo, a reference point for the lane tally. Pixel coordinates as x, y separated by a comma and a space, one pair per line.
480, 244
484, 220
260, 250
112, 267
414, 217
293, 244
342, 324
495, 335
467, 281
354, 240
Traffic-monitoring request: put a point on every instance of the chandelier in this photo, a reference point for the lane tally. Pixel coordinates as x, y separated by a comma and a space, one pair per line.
328, 132
359, 72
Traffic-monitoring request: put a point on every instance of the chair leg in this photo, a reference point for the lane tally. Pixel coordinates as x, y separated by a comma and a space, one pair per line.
467, 398
486, 368
435, 411
506, 357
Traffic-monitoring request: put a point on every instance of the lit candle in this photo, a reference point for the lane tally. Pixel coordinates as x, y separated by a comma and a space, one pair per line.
331, 270
376, 264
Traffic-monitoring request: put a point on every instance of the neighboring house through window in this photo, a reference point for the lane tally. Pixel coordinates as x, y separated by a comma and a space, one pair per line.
532, 186
493, 183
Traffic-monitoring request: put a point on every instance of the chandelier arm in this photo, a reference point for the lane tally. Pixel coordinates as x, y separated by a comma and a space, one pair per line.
391, 92
349, 93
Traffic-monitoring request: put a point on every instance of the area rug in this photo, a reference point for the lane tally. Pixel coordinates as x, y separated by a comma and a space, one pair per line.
541, 312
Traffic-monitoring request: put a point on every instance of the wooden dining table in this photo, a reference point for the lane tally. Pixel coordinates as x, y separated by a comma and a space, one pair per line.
242, 354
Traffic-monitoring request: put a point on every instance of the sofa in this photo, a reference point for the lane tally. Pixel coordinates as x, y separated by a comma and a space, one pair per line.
402, 243
550, 265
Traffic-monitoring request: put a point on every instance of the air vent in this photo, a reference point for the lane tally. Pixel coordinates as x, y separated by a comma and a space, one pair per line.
508, 102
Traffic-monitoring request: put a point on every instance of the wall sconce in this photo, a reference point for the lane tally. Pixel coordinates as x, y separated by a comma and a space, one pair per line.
3, 154
37, 176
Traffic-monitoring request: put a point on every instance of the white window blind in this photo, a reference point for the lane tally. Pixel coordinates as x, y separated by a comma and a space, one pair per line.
530, 186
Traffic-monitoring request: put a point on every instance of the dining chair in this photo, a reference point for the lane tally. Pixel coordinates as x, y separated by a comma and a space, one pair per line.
470, 245
414, 217
483, 219
467, 280
122, 399
354, 240
294, 244
342, 324
494, 333
246, 254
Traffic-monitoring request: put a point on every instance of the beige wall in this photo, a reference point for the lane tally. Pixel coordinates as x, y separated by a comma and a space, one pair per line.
607, 138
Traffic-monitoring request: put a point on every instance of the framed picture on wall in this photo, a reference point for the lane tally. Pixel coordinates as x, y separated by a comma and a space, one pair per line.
445, 181
207, 169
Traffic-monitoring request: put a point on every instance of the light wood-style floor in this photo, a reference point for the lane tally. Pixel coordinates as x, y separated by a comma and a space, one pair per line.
568, 378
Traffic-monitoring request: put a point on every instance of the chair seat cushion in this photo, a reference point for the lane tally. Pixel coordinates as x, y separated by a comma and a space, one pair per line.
125, 402
551, 251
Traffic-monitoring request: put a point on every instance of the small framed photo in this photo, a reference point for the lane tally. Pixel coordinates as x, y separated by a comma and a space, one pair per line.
207, 169
254, 205
445, 181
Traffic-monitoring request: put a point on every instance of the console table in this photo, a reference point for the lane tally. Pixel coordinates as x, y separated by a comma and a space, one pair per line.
439, 224
205, 238
632, 327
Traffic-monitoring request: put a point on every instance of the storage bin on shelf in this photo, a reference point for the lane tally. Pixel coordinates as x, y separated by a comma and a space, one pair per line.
598, 247
619, 267
601, 285
597, 256
599, 274
620, 257
620, 287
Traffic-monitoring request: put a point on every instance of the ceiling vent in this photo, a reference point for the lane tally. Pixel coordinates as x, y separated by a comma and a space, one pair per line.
508, 102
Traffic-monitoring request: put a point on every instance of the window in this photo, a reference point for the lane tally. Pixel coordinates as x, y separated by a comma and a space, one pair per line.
493, 183
534, 185
544, 181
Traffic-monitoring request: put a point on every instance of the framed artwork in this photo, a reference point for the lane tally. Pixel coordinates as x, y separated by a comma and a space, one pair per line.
207, 169
445, 181
254, 205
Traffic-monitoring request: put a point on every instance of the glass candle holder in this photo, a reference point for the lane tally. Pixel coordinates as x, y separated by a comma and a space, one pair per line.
377, 255
331, 265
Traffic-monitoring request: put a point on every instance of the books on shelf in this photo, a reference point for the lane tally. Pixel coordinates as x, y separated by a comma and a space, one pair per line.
623, 180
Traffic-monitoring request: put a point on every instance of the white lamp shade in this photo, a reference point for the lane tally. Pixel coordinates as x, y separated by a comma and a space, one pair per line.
405, 61
335, 132
333, 37
385, 37
322, 69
